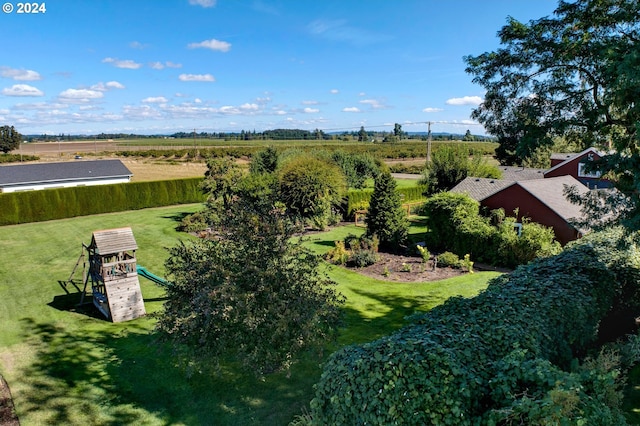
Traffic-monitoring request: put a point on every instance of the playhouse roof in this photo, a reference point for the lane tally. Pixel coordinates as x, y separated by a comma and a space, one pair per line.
111, 241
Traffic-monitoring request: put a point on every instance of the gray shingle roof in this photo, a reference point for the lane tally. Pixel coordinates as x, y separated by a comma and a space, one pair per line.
521, 173
550, 192
563, 155
480, 188
62, 172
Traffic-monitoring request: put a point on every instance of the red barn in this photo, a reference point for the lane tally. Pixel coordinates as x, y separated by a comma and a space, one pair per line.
575, 165
540, 200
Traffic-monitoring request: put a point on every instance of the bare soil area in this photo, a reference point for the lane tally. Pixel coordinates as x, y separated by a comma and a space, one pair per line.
8, 415
392, 267
146, 170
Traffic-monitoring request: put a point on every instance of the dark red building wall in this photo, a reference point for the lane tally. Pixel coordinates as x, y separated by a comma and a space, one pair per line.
528, 206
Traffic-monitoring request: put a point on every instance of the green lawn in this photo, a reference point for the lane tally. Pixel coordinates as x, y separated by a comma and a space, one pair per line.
69, 366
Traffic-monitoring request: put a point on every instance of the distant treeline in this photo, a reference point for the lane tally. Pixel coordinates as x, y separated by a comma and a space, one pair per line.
276, 134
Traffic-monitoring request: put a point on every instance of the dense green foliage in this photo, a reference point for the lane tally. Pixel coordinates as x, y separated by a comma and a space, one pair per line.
220, 180
386, 219
356, 199
354, 251
311, 188
451, 164
357, 168
50, 204
404, 149
511, 355
15, 158
455, 224
10, 139
248, 293
572, 75
265, 161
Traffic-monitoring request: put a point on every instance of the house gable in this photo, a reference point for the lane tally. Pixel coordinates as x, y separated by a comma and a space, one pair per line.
575, 166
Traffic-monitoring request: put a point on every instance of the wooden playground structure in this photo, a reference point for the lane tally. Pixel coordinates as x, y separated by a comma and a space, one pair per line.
113, 274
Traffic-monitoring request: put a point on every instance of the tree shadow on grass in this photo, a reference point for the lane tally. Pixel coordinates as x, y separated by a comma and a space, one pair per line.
122, 374
384, 315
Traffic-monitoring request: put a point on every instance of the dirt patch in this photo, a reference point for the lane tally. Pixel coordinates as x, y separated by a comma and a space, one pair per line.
8, 415
392, 267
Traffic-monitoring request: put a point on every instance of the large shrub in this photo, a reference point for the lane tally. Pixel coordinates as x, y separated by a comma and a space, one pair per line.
451, 164
455, 224
508, 356
311, 187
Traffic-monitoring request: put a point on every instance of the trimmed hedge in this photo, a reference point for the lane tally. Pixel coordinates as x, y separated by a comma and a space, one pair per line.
456, 365
60, 203
356, 197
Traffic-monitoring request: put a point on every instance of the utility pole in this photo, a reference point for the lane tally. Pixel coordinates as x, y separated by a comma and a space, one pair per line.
428, 142
195, 144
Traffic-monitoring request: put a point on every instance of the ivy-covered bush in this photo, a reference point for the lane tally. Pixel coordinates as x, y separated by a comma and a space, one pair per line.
510, 355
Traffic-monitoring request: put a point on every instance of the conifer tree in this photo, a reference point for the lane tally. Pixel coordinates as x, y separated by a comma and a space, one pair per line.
386, 218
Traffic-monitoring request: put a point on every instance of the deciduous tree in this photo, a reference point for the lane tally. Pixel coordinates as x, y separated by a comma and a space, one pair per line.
574, 74
250, 294
310, 187
10, 139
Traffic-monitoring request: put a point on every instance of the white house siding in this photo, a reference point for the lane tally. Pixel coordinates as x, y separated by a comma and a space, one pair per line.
67, 184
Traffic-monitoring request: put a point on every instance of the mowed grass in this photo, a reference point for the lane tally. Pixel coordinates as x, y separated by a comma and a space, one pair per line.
67, 365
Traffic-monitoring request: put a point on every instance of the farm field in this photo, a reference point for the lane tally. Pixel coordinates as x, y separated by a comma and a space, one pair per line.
69, 366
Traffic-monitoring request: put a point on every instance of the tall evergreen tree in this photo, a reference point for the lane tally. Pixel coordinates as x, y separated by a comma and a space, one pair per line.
386, 218
362, 135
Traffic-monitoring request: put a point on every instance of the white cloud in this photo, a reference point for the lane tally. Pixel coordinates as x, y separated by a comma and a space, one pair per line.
465, 100
138, 45
155, 100
213, 44
39, 106
429, 109
373, 103
122, 63
22, 90
167, 64
334, 91
197, 100
311, 110
103, 87
339, 30
196, 77
309, 102
249, 107
20, 75
79, 95
203, 3
351, 109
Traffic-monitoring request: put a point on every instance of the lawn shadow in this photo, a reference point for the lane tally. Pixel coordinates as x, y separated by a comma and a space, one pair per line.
385, 314
178, 217
122, 374
71, 303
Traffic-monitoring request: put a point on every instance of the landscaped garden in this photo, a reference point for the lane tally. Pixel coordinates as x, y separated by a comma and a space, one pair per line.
68, 365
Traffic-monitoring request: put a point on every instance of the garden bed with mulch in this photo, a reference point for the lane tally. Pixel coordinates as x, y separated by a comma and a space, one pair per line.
8, 415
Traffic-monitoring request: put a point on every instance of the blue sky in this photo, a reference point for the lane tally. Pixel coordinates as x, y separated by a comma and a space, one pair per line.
156, 67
